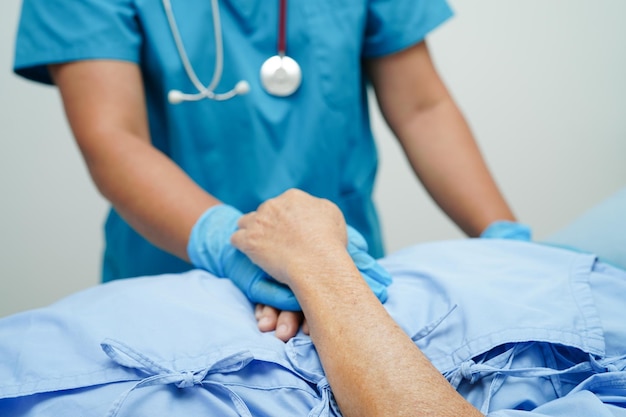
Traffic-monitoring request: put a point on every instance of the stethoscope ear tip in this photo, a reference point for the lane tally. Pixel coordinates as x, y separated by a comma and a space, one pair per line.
242, 87
175, 97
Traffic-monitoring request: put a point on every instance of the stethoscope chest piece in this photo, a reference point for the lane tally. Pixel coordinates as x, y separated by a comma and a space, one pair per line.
281, 75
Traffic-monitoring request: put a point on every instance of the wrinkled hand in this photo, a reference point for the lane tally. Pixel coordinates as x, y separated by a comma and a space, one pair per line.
294, 227
285, 324
210, 248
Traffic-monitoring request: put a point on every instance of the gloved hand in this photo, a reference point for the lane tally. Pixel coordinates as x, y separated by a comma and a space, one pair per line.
209, 248
506, 229
375, 275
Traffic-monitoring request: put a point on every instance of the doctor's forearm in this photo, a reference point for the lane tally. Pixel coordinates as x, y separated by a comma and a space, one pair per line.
150, 192
109, 122
436, 138
446, 158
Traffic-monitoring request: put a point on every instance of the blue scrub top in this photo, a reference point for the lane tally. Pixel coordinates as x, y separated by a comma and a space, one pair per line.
253, 147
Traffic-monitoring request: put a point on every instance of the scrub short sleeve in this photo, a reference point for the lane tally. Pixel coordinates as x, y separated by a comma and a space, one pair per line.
57, 31
395, 25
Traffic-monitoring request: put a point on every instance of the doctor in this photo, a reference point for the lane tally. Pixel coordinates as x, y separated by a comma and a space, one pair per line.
190, 113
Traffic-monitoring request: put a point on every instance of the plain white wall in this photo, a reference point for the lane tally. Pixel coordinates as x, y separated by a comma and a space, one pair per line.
541, 83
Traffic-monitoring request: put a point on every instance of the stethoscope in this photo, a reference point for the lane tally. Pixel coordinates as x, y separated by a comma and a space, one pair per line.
280, 74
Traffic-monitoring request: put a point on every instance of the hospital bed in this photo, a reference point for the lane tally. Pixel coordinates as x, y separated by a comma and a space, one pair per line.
148, 346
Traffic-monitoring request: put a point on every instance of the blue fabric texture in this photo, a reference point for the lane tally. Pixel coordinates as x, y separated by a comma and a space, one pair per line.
517, 328
253, 147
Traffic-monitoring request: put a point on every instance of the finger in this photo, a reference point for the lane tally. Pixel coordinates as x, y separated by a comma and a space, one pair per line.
258, 311
267, 317
245, 220
380, 290
288, 324
356, 239
369, 266
238, 238
380, 274
305, 327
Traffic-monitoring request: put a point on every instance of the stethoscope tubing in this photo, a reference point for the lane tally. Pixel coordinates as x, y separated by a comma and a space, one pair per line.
219, 48
280, 74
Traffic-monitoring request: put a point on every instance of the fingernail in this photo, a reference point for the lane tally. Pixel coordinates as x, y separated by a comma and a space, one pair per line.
282, 329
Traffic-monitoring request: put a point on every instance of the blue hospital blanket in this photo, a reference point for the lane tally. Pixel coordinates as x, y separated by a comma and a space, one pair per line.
517, 328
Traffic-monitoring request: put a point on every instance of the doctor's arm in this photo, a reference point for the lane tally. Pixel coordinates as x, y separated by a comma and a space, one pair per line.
436, 139
105, 106
373, 367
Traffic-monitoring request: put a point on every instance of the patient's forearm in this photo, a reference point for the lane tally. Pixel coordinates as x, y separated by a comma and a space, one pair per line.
373, 368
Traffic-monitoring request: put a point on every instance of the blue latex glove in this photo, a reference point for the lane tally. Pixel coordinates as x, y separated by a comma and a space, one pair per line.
375, 275
209, 248
505, 229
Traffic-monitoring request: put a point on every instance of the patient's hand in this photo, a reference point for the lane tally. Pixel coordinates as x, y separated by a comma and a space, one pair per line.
285, 323
292, 232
